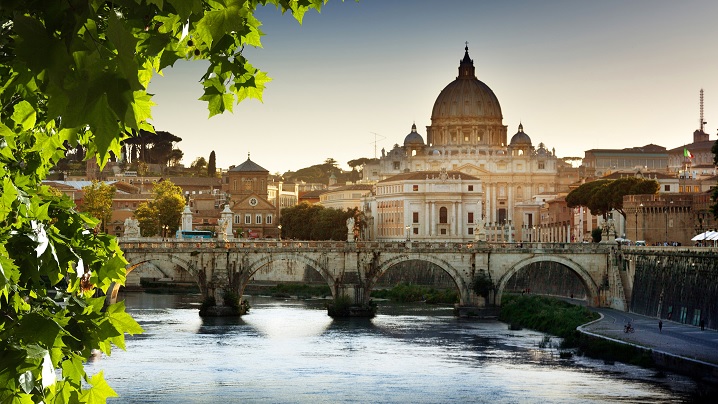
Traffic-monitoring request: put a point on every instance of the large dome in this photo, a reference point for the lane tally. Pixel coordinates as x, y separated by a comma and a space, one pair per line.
467, 97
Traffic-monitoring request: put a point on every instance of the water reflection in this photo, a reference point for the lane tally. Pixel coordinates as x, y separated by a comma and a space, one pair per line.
291, 351
298, 320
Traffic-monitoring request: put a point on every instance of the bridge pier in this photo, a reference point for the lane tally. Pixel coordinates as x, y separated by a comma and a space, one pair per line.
222, 295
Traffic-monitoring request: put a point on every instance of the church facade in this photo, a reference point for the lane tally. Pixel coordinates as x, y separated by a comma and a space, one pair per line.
467, 137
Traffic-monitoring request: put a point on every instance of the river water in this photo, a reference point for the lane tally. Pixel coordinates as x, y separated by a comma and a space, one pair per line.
290, 351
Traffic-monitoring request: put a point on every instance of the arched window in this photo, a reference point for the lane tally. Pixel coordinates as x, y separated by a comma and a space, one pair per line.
443, 213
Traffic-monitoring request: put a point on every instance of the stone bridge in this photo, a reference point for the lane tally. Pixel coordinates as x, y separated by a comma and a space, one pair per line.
352, 269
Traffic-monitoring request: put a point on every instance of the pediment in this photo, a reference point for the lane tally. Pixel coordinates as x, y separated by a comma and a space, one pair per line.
473, 169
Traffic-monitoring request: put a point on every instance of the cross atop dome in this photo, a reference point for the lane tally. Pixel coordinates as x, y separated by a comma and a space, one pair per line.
466, 66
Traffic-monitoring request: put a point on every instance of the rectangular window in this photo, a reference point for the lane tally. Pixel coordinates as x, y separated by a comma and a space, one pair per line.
471, 230
667, 188
416, 230
471, 187
415, 188
269, 219
236, 219
415, 217
397, 165
258, 219
470, 219
443, 231
541, 165
247, 219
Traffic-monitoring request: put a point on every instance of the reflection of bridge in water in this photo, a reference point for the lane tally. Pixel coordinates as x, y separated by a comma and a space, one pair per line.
352, 269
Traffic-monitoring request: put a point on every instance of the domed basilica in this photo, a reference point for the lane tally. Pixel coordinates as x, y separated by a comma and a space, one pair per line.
422, 189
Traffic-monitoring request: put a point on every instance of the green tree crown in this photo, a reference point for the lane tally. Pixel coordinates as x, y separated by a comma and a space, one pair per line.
74, 74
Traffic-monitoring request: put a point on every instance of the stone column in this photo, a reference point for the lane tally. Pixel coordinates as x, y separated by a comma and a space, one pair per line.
487, 217
453, 219
510, 208
460, 221
427, 229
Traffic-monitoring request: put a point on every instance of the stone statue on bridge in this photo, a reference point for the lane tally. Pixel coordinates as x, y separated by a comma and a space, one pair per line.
132, 228
479, 230
222, 224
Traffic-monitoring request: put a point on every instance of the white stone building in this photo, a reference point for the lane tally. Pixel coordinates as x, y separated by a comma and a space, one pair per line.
467, 137
423, 206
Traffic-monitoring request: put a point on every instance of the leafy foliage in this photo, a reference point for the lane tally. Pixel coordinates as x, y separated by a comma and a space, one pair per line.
315, 222
597, 235
97, 201
74, 74
320, 173
603, 196
482, 285
165, 209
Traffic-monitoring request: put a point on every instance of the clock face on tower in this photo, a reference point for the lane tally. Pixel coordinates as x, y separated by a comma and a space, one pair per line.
253, 201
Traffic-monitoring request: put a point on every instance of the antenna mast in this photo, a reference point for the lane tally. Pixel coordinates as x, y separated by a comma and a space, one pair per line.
376, 140
702, 121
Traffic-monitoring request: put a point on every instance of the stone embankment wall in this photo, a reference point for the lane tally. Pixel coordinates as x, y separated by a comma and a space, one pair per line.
679, 285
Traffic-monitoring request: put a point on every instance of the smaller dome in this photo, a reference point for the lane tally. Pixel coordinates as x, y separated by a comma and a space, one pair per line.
413, 138
435, 153
520, 138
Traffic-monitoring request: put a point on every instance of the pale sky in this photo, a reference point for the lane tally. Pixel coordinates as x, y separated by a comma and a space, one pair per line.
579, 75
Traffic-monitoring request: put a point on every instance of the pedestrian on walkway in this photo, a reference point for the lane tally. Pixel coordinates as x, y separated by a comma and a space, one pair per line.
660, 325
703, 325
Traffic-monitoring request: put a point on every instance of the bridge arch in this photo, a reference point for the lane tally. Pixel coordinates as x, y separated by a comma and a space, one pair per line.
586, 279
266, 259
385, 265
135, 262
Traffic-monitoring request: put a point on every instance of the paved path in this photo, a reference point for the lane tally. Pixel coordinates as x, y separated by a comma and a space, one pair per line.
677, 339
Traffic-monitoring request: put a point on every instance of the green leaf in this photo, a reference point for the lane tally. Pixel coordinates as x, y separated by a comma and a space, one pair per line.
103, 124
34, 327
72, 369
24, 115
99, 392
112, 271
122, 321
217, 23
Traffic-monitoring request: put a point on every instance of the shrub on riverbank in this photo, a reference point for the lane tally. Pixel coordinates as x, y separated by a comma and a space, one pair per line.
560, 318
406, 293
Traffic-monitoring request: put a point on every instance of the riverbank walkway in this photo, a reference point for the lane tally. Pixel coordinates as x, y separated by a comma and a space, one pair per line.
682, 340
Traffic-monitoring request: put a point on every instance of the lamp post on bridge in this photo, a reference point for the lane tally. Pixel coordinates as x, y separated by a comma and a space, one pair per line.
279, 227
408, 233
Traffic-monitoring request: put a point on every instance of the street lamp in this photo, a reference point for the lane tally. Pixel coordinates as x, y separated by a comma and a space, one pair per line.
408, 234
164, 231
279, 227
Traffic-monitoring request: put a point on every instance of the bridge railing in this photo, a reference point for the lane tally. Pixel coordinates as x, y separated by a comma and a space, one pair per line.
241, 244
